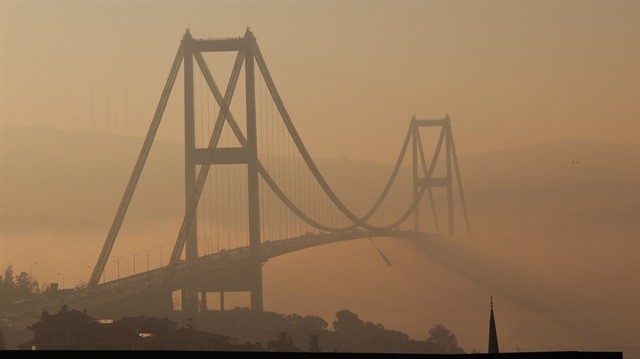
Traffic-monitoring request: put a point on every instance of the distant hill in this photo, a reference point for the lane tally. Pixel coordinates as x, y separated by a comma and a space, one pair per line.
50, 173
83, 174
552, 164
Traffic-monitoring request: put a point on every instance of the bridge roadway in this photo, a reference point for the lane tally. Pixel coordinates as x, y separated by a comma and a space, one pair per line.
106, 298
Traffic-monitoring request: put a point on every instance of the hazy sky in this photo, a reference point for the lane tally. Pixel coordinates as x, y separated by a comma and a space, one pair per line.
351, 74
509, 73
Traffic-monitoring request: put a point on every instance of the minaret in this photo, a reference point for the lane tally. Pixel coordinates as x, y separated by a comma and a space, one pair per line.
493, 335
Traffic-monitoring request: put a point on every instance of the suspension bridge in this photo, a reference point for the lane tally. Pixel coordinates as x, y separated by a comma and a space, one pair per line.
265, 176
254, 192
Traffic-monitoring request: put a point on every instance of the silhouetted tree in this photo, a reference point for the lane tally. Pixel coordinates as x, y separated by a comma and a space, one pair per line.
13, 288
25, 286
347, 321
8, 285
314, 344
349, 334
283, 343
309, 323
354, 335
441, 340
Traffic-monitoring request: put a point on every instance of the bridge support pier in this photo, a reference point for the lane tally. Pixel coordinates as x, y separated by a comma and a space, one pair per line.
256, 288
189, 298
203, 301
242, 279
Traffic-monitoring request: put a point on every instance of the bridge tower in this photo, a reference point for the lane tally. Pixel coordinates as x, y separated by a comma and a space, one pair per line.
423, 173
246, 155
191, 49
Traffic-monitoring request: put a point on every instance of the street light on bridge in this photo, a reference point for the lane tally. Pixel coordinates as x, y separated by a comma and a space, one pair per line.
161, 246
147, 250
117, 260
134, 261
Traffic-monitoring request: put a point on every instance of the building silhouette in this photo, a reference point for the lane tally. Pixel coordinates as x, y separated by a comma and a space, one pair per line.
76, 330
70, 329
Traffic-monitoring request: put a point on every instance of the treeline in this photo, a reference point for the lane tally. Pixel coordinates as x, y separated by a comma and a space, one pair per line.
16, 287
291, 333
